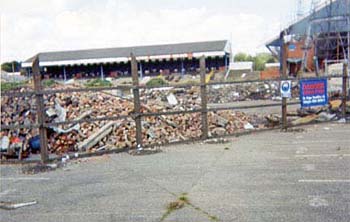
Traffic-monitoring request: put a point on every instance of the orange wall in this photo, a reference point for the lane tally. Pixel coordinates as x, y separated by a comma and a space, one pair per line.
270, 73
298, 53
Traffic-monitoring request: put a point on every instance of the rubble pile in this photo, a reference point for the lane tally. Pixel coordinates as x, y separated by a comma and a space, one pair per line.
332, 112
90, 136
21, 109
186, 126
247, 91
121, 133
111, 134
322, 114
64, 107
171, 99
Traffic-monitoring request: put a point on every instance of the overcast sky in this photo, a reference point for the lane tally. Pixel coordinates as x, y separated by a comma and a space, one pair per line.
32, 26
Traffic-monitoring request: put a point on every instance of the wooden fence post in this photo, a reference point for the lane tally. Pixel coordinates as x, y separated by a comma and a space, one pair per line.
137, 104
345, 88
40, 110
203, 99
284, 76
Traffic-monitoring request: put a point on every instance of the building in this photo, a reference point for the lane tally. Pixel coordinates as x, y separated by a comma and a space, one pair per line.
115, 62
242, 66
316, 39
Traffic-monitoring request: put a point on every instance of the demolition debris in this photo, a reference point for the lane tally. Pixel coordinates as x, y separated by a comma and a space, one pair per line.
102, 135
93, 136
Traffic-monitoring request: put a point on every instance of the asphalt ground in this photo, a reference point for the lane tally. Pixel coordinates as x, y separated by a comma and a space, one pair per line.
300, 175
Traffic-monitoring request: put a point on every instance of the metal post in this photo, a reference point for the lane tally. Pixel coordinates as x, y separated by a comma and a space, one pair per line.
137, 103
345, 80
40, 111
203, 99
101, 69
64, 73
225, 57
316, 66
284, 76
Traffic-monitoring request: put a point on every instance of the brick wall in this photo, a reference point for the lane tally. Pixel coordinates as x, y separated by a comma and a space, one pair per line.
270, 73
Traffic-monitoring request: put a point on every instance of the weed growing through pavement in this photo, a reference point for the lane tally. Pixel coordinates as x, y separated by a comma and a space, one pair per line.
181, 202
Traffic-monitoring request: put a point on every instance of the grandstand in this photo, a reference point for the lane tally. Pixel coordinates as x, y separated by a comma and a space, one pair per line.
115, 62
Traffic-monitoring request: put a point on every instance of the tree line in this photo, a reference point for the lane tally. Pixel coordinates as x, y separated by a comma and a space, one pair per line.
13, 66
259, 60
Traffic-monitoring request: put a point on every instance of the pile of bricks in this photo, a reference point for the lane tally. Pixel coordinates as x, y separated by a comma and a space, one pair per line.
248, 91
111, 134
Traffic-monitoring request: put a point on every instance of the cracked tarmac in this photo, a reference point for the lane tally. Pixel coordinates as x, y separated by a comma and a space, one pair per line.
269, 176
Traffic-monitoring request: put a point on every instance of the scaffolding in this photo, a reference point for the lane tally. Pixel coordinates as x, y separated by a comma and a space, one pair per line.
328, 34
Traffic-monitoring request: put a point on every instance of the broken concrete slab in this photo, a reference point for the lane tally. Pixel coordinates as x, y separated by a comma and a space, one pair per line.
335, 104
305, 120
172, 99
96, 137
248, 126
219, 131
13, 206
323, 116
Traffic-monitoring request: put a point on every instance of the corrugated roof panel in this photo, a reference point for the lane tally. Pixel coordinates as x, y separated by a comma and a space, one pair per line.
152, 50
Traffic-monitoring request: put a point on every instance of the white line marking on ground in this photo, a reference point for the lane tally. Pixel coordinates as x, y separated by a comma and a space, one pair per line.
324, 181
301, 150
25, 178
7, 192
318, 142
309, 167
316, 201
321, 155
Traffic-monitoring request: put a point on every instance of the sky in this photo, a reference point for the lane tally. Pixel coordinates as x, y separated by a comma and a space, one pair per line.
31, 26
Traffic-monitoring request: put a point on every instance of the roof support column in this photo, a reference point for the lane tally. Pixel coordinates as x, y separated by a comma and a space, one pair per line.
182, 67
141, 71
348, 21
28, 72
64, 73
101, 70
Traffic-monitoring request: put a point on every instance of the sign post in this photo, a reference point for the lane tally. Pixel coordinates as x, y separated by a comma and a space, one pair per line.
284, 76
345, 80
286, 89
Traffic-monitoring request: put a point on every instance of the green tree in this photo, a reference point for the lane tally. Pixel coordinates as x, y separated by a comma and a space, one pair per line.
259, 60
272, 60
7, 66
241, 57
250, 58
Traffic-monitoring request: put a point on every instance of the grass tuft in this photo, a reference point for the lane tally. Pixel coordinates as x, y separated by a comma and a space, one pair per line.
158, 81
6, 86
98, 83
48, 82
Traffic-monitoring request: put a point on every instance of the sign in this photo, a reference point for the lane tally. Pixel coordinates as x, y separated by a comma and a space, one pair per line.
291, 47
285, 89
313, 92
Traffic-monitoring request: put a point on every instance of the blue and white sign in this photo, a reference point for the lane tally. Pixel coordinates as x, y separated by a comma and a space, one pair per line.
286, 89
313, 92
292, 47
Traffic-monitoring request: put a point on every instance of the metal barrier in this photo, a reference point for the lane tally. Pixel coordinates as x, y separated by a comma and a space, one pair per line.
137, 115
